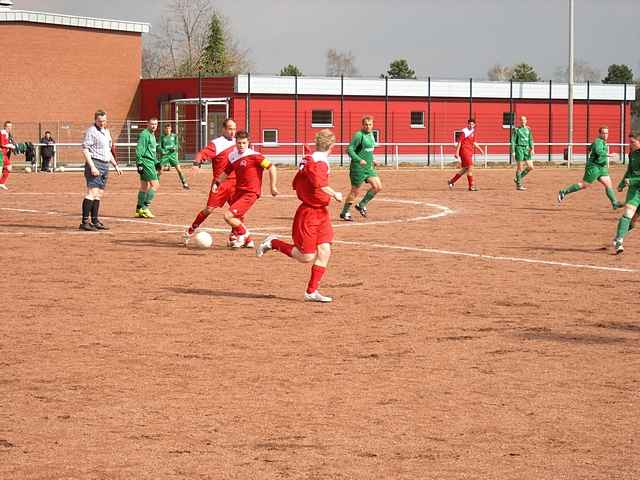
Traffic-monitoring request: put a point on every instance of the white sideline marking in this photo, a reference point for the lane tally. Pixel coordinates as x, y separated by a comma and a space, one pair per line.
445, 211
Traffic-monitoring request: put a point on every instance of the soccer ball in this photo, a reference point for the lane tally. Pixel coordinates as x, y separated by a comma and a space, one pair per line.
203, 240
60, 169
27, 169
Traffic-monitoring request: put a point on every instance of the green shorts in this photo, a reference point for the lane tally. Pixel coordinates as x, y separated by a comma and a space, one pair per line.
522, 154
147, 172
170, 161
633, 196
593, 172
359, 175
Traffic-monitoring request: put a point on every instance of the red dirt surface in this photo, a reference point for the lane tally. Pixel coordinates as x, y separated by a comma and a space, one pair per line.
124, 355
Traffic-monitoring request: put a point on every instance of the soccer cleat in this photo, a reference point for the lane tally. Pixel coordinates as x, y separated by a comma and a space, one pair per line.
362, 210
87, 227
231, 239
146, 213
346, 217
264, 246
316, 297
450, 184
521, 188
249, 243
617, 205
561, 196
3, 186
617, 246
239, 241
186, 187
473, 188
139, 213
98, 225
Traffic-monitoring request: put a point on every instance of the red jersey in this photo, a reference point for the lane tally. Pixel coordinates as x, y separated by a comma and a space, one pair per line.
313, 174
4, 139
218, 153
248, 167
467, 139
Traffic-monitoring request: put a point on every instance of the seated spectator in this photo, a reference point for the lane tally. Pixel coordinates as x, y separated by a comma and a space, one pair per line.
47, 152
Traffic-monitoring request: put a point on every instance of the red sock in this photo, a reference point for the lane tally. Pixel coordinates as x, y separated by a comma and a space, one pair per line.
317, 273
455, 178
201, 217
5, 175
470, 180
239, 230
282, 247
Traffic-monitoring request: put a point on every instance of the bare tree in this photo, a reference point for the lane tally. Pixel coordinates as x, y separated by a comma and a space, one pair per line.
340, 63
176, 46
582, 72
499, 73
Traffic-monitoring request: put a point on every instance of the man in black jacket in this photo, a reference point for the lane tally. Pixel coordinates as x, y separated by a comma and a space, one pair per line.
47, 152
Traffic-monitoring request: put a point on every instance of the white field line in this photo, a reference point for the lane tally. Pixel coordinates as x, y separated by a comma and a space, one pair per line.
434, 251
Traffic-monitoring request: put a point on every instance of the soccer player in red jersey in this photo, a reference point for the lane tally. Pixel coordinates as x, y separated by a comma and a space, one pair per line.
248, 166
217, 152
7, 147
464, 151
312, 231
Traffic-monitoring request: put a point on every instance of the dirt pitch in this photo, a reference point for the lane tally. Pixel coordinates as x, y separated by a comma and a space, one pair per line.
499, 339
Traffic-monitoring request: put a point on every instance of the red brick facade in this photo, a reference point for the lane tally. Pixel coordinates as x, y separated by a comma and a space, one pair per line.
65, 73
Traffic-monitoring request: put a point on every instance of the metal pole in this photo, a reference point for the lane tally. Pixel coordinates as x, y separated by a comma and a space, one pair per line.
248, 103
549, 139
429, 121
295, 121
199, 115
571, 46
341, 119
470, 97
624, 124
586, 153
511, 119
386, 120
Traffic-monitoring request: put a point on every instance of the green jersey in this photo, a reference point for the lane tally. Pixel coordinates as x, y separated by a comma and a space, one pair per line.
598, 152
522, 137
1, 159
169, 147
633, 169
361, 148
147, 147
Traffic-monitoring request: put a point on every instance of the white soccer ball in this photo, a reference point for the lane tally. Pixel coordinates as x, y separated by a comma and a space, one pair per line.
203, 240
27, 169
60, 169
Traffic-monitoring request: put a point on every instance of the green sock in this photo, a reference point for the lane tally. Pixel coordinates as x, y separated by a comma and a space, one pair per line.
623, 227
151, 194
611, 195
346, 208
571, 188
367, 198
141, 197
518, 176
524, 173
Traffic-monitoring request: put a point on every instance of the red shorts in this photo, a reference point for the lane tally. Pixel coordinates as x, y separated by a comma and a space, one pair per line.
311, 227
224, 194
241, 202
466, 159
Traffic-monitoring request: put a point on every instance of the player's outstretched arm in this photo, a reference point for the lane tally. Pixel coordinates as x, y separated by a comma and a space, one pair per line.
273, 180
337, 196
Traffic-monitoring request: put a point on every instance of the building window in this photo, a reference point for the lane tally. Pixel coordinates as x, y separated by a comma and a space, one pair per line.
376, 135
269, 136
417, 119
508, 119
321, 118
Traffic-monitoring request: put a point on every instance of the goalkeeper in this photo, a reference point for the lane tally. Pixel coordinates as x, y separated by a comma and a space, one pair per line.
168, 148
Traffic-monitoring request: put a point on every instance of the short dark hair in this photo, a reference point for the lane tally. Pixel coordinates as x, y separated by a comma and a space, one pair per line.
242, 134
47, 132
7, 122
471, 119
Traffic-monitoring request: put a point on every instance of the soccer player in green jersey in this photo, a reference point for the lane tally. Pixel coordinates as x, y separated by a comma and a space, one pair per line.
169, 147
522, 149
631, 180
362, 169
146, 160
596, 169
